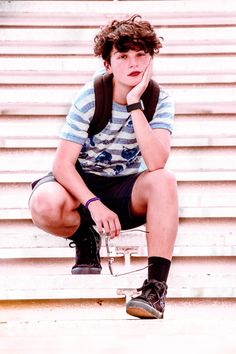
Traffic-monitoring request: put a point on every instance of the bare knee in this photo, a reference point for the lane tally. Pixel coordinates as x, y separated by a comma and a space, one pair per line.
161, 180
54, 210
44, 207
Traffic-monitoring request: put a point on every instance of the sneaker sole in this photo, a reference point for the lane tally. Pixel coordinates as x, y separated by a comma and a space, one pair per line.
85, 270
142, 310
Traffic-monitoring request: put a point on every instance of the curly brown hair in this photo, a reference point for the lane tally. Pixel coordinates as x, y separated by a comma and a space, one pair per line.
133, 33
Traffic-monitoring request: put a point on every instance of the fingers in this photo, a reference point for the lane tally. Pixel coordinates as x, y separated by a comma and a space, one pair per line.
115, 228
148, 71
137, 91
99, 227
111, 227
106, 220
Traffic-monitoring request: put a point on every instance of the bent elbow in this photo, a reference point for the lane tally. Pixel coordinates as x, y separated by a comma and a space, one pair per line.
155, 168
157, 165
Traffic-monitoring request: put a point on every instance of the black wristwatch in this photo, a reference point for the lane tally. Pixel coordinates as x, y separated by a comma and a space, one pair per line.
133, 106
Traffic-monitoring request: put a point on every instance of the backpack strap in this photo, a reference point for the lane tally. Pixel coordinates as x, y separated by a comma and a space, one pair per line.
103, 102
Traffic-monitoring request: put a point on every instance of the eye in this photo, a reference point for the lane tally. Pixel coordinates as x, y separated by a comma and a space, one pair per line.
141, 54
123, 56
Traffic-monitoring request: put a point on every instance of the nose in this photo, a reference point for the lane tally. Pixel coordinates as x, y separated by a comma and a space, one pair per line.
133, 62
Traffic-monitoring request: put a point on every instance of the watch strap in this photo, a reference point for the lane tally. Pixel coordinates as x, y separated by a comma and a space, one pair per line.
133, 106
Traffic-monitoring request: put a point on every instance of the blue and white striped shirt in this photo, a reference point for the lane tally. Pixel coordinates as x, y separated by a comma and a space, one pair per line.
114, 151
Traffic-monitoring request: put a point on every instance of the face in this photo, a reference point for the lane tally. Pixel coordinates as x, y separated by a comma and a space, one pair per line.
128, 68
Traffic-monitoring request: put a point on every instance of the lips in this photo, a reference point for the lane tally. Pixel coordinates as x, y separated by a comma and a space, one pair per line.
135, 73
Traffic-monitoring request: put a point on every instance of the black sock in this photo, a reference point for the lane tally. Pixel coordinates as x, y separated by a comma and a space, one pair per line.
158, 268
82, 229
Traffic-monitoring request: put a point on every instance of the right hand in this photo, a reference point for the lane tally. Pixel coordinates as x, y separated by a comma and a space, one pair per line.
135, 94
105, 218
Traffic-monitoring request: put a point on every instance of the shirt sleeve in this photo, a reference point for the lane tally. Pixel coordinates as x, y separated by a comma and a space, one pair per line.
165, 111
79, 116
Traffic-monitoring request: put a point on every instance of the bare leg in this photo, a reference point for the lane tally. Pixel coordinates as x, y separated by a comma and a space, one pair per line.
53, 210
155, 194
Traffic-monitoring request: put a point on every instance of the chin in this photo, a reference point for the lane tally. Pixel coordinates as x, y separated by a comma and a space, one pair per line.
133, 81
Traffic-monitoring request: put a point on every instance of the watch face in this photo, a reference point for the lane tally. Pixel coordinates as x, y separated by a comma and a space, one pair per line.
142, 105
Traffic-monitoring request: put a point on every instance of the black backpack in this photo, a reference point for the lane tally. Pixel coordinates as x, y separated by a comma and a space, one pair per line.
103, 102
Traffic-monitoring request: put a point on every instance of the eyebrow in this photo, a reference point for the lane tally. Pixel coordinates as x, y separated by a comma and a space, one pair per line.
117, 52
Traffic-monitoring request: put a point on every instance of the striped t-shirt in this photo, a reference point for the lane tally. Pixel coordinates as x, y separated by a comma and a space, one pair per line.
114, 151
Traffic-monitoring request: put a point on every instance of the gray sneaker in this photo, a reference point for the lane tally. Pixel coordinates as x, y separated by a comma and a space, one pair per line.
151, 302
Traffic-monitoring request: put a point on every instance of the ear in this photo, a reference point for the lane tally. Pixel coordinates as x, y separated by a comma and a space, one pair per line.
107, 67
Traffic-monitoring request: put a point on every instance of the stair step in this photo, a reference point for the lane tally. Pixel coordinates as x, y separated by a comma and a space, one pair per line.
84, 48
189, 159
41, 77
181, 266
105, 286
200, 195
86, 66
53, 109
191, 232
183, 251
184, 212
175, 33
201, 212
111, 8
180, 95
206, 237
176, 141
25, 318
35, 132
80, 19
192, 240
204, 176
103, 335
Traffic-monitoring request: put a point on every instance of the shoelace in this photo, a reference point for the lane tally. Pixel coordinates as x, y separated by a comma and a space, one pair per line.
158, 288
73, 243
110, 259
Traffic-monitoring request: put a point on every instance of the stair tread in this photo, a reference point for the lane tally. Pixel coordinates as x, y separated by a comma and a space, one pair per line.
201, 175
176, 141
42, 77
75, 48
105, 286
184, 212
227, 7
80, 19
84, 66
212, 335
140, 251
32, 109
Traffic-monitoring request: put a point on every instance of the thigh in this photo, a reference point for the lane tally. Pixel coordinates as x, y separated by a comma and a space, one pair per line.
53, 209
139, 196
149, 184
48, 193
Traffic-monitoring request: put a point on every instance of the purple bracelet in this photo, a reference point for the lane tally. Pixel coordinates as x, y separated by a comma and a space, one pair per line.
90, 201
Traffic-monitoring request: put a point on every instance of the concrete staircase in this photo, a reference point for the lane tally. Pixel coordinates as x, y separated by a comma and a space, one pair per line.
45, 57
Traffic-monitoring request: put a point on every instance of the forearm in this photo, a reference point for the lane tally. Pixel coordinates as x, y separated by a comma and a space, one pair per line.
153, 151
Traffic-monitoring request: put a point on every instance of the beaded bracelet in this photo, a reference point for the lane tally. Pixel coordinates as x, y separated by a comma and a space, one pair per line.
90, 201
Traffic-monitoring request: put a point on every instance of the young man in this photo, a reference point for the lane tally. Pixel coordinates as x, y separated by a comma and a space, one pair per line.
95, 180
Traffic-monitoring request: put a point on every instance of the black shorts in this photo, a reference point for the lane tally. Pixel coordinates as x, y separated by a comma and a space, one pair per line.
114, 192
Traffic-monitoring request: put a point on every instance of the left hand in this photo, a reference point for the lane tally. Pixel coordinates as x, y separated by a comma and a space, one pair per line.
135, 94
